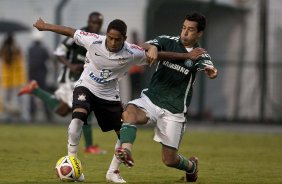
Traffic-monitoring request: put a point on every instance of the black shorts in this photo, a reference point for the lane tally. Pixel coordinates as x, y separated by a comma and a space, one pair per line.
108, 113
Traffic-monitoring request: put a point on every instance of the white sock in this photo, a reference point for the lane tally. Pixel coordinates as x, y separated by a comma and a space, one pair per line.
74, 133
115, 162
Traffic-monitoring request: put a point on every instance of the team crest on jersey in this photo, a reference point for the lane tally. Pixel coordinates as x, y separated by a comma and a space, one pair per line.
81, 97
188, 63
105, 73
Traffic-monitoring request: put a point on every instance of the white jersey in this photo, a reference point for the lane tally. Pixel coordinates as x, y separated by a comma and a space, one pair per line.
103, 69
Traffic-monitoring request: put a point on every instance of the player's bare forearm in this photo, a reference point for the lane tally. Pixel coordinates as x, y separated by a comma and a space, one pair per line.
43, 26
163, 55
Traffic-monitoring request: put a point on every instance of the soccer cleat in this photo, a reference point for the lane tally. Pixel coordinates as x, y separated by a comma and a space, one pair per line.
81, 178
27, 89
124, 155
94, 149
114, 177
193, 176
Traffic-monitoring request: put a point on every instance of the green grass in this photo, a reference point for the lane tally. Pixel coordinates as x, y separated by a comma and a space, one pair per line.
28, 154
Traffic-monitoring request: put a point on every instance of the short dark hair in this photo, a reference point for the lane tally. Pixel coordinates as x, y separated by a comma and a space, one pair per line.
118, 25
199, 18
96, 14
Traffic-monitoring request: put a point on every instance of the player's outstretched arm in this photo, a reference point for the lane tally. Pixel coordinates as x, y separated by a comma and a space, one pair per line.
193, 55
41, 25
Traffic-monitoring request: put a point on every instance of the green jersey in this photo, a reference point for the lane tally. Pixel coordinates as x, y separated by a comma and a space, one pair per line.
75, 54
171, 85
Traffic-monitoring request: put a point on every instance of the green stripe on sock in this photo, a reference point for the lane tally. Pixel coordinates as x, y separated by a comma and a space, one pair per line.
183, 164
47, 98
128, 133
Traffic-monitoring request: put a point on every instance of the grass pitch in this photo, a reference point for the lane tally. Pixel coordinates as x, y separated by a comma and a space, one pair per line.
28, 154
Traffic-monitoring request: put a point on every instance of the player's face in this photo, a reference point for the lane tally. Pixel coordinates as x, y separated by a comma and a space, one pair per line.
94, 24
189, 33
114, 40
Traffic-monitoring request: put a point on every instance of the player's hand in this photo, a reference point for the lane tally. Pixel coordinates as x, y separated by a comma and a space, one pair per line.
39, 24
76, 68
211, 72
152, 54
195, 54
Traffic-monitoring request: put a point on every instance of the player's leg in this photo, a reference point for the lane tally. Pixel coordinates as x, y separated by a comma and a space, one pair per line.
81, 109
169, 131
171, 158
131, 117
48, 98
87, 133
108, 115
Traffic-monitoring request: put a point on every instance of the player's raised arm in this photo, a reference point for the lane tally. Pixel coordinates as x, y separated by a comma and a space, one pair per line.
41, 25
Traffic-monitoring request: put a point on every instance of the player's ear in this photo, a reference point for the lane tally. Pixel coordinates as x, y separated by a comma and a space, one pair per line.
200, 34
125, 37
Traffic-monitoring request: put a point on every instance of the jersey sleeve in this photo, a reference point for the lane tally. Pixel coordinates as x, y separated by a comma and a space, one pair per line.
139, 54
205, 60
160, 42
64, 47
84, 39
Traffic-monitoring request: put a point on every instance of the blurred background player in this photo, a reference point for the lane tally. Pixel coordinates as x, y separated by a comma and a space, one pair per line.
73, 57
38, 56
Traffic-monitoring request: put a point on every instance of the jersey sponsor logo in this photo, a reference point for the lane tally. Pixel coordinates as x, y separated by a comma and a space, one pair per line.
88, 34
104, 75
176, 67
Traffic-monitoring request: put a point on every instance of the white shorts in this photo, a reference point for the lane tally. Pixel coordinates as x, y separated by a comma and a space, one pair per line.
65, 92
169, 127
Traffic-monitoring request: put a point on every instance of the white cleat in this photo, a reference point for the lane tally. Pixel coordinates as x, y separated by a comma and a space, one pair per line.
114, 177
81, 178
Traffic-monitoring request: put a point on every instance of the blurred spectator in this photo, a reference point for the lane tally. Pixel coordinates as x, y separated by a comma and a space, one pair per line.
38, 55
13, 76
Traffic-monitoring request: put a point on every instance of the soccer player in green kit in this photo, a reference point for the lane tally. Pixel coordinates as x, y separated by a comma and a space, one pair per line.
166, 100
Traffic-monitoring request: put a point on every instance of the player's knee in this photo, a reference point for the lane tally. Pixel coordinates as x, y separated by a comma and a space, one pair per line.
129, 115
80, 115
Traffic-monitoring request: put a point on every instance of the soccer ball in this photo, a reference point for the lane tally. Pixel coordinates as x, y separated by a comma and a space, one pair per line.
68, 168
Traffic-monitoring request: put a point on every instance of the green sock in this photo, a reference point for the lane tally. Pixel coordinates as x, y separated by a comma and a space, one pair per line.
47, 98
127, 133
184, 165
87, 131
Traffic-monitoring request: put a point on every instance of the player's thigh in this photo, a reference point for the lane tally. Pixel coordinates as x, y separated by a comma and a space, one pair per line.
134, 114
108, 116
82, 100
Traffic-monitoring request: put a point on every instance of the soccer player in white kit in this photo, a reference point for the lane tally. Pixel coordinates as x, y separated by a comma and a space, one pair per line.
108, 59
